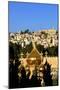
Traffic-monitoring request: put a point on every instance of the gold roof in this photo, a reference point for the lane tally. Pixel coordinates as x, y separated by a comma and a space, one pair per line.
34, 54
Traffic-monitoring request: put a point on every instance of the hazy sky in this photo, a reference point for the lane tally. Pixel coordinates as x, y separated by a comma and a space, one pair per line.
32, 16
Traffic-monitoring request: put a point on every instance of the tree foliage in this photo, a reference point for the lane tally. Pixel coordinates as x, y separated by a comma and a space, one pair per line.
52, 51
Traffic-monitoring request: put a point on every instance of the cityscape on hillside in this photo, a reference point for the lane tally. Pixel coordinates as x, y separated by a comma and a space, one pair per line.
47, 38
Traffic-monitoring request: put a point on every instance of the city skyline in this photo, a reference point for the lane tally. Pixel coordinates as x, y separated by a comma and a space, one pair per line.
32, 16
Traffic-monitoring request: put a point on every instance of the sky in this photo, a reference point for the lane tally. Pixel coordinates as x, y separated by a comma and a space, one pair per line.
32, 16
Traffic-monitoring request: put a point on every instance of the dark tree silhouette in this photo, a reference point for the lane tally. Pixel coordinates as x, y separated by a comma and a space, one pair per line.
47, 74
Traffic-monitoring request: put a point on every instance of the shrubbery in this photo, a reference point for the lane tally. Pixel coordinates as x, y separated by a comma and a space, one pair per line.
15, 50
52, 51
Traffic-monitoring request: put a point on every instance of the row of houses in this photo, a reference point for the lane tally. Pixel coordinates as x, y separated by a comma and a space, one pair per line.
47, 38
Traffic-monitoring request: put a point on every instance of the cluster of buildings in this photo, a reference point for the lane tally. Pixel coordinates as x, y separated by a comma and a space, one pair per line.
47, 38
